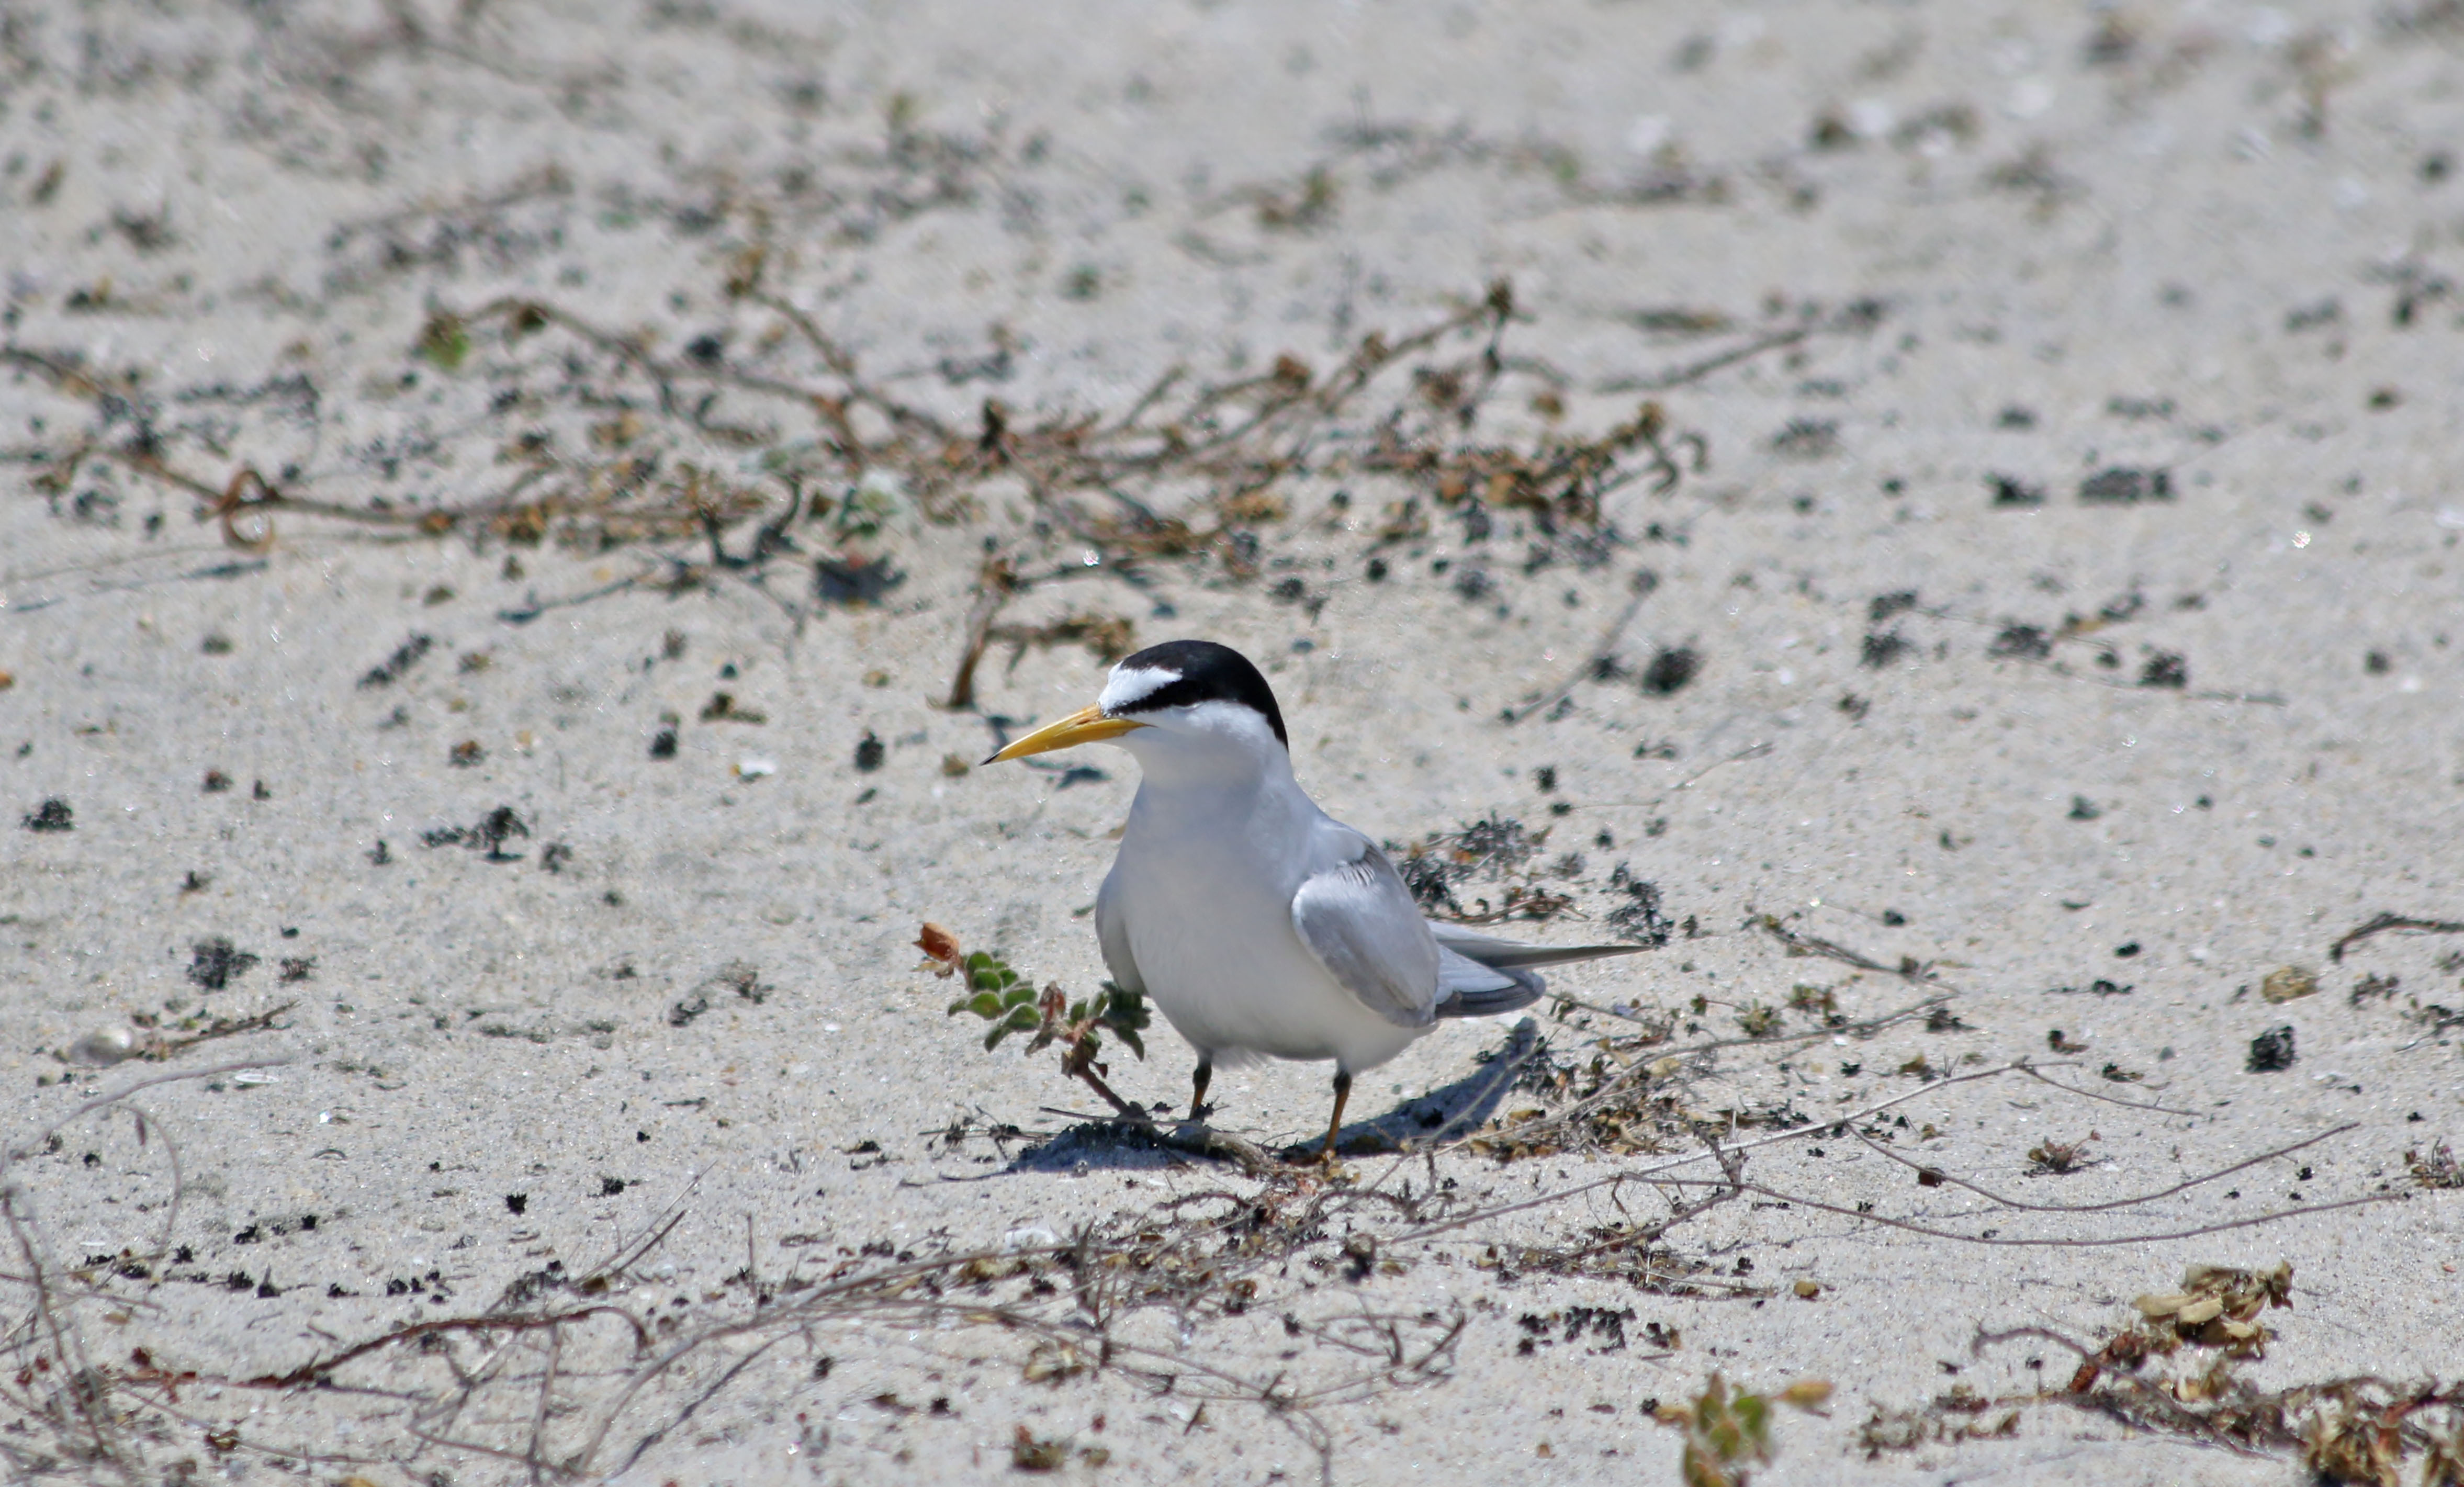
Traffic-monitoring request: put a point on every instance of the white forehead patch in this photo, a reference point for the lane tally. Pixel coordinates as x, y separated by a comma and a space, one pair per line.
1132, 685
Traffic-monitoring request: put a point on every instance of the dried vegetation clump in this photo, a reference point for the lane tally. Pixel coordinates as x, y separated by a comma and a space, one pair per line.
1497, 849
2435, 1167
2178, 1371
603, 439
2217, 1307
579, 1373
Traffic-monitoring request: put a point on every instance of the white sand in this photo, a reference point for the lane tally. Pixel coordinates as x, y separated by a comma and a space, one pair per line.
2151, 254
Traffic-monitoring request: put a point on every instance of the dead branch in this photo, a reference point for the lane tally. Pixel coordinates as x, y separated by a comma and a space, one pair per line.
2387, 922
1620, 1088
1940, 1176
316, 1368
157, 1048
2106, 1242
1803, 944
1602, 655
995, 584
1854, 319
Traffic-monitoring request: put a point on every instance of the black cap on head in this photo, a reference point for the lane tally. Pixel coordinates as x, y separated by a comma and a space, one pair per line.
1188, 672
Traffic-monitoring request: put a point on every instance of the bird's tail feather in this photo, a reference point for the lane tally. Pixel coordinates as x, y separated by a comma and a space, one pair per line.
1507, 956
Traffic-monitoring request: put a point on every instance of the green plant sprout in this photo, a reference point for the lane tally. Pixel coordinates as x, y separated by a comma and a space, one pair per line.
1727, 1433
1001, 996
445, 341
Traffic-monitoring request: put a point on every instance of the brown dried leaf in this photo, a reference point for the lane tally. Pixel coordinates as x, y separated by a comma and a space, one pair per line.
2289, 983
940, 950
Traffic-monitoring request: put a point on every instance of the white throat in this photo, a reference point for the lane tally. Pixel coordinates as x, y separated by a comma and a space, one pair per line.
1210, 746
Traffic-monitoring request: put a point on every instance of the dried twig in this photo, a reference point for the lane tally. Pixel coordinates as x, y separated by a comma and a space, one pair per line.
1799, 943
1938, 1175
158, 1047
1602, 655
2387, 922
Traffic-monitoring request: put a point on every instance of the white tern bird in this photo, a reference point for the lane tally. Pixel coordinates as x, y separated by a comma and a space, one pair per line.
1258, 924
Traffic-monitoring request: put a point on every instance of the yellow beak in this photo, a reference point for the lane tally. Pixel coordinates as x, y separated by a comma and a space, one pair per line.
1089, 724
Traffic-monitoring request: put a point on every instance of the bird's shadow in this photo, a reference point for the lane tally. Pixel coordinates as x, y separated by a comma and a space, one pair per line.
1442, 1115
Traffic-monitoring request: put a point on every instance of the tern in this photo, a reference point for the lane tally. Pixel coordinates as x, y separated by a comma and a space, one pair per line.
1259, 924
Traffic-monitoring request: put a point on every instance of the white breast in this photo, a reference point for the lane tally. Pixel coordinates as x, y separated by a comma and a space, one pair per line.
1206, 904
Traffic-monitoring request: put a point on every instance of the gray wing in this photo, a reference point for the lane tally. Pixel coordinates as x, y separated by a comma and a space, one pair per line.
1359, 921
1112, 933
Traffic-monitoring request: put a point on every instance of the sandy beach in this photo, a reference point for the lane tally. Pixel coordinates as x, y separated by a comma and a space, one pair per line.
518, 523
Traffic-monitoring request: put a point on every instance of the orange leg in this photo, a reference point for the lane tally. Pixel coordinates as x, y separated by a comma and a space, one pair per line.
1334, 1126
1199, 1081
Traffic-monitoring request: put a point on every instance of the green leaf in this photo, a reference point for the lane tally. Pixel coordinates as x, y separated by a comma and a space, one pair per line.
878, 496
986, 973
992, 1040
985, 1005
445, 341
1024, 1019
1125, 1013
1019, 996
